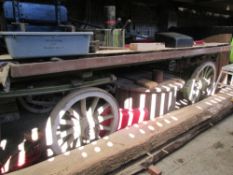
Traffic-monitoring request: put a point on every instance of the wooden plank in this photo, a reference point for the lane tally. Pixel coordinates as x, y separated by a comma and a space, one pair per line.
44, 68
128, 51
167, 149
147, 83
5, 58
223, 38
131, 143
146, 46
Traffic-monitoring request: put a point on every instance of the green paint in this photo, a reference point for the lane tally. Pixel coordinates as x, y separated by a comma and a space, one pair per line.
231, 56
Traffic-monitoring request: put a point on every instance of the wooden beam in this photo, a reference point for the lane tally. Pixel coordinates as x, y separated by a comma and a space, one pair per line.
168, 148
108, 154
116, 60
215, 7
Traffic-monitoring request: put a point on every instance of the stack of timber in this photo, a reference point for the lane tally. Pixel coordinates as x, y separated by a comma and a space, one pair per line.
128, 145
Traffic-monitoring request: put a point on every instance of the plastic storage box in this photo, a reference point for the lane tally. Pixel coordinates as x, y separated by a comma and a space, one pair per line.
34, 12
46, 44
176, 40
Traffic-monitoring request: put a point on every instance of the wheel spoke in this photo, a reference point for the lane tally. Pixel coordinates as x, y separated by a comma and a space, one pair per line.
74, 113
195, 92
191, 93
201, 74
68, 139
101, 109
204, 77
208, 74
104, 128
77, 142
91, 125
94, 104
102, 119
195, 96
209, 82
66, 122
84, 107
77, 117
64, 147
66, 133
205, 70
77, 129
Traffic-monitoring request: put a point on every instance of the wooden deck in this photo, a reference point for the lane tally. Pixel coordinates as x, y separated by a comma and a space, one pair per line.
109, 59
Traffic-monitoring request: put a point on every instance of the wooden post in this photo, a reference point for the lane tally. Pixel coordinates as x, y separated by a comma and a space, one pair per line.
223, 57
222, 60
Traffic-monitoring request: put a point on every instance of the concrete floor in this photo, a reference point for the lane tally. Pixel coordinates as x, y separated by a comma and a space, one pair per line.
211, 153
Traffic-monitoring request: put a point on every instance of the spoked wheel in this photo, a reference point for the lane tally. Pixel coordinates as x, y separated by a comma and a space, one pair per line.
201, 83
81, 117
39, 104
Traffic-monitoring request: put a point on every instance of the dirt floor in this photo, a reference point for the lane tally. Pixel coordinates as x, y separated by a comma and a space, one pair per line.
211, 153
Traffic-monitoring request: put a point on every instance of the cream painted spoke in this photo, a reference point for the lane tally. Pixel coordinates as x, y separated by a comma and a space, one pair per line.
94, 104
64, 146
101, 119
91, 124
70, 140
208, 73
101, 109
84, 107
104, 128
205, 76
66, 122
67, 141
75, 120
66, 133
201, 74
74, 113
205, 70
77, 129
78, 142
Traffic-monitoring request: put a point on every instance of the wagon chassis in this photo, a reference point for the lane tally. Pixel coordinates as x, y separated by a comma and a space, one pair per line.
100, 62
66, 87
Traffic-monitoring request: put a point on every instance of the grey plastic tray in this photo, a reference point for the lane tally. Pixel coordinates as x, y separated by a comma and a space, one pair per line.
46, 44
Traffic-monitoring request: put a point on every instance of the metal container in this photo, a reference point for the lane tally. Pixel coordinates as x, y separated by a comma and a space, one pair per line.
46, 44
110, 37
110, 15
